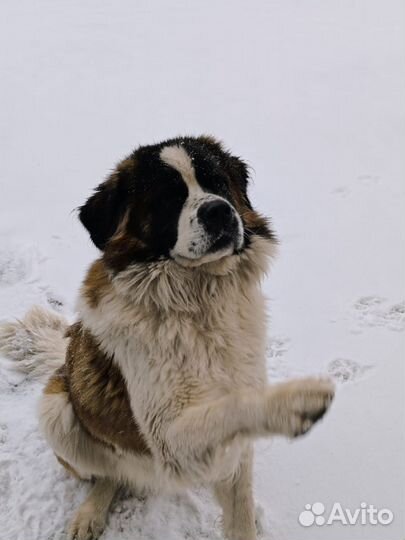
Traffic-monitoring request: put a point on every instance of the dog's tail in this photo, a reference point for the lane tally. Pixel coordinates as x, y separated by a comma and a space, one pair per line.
36, 345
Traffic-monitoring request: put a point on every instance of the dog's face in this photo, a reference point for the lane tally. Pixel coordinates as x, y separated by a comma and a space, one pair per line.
184, 199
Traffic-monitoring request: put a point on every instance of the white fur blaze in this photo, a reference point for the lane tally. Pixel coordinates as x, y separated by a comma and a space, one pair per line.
177, 157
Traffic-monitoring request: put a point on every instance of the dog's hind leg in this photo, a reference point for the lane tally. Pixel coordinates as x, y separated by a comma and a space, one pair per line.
236, 499
91, 517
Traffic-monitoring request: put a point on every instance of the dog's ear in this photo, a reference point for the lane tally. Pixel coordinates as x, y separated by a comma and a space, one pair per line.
239, 173
102, 212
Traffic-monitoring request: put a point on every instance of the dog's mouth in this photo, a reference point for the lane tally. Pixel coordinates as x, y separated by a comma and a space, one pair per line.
226, 244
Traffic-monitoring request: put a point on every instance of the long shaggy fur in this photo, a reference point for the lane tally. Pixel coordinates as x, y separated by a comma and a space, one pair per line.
161, 383
35, 344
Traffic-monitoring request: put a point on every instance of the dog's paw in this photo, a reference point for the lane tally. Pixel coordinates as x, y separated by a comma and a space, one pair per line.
88, 523
297, 405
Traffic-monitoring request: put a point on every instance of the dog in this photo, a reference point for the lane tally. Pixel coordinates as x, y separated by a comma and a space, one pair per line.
161, 382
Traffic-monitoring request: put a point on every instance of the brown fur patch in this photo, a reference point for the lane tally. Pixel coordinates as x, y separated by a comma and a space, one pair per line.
122, 249
253, 221
57, 382
99, 394
96, 283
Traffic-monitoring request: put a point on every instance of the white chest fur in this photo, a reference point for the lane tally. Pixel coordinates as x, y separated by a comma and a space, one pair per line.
180, 338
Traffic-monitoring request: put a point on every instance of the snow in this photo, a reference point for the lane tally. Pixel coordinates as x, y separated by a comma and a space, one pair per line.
311, 94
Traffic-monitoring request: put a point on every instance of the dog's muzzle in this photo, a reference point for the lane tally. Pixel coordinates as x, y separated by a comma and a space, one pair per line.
221, 223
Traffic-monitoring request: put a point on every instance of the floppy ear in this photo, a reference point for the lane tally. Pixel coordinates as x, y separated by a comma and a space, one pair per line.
102, 212
242, 169
239, 172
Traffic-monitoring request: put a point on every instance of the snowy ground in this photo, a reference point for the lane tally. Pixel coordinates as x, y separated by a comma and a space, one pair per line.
310, 94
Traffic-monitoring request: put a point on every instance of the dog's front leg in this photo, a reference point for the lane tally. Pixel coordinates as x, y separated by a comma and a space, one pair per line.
91, 517
235, 496
289, 409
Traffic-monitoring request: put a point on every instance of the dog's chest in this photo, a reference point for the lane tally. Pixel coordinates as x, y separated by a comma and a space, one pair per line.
172, 359
194, 357
191, 361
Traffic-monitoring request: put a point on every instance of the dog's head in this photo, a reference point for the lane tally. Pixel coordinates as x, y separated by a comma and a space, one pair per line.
184, 199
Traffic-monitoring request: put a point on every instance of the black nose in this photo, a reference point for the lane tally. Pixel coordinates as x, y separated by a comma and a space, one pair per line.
215, 215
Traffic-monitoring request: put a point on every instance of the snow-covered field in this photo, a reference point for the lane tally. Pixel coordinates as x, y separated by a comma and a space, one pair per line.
311, 94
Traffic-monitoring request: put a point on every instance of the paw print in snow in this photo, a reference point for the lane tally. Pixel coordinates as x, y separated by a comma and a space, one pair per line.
277, 364
344, 370
18, 265
372, 311
277, 346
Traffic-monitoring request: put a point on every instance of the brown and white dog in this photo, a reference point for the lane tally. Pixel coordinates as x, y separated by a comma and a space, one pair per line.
161, 383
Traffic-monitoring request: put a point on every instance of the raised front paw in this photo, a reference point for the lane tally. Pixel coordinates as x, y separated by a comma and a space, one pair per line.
295, 406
